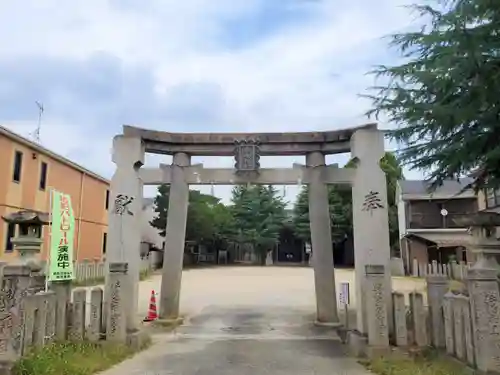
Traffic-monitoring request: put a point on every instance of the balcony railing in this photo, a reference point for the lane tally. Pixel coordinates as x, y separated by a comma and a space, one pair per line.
434, 221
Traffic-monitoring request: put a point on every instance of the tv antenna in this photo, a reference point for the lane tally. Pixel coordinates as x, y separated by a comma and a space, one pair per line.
36, 135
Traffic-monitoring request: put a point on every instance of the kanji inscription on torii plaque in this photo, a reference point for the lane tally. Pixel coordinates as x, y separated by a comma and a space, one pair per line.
247, 156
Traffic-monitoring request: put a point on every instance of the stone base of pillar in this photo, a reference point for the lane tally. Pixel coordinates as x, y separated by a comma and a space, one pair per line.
373, 352
137, 340
327, 324
358, 347
116, 306
269, 259
169, 323
6, 365
358, 344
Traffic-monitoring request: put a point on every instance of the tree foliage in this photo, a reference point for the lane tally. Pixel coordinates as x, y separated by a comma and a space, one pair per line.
161, 209
258, 213
340, 205
444, 97
255, 217
208, 220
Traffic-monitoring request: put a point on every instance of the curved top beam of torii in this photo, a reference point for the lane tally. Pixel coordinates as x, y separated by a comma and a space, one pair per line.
222, 144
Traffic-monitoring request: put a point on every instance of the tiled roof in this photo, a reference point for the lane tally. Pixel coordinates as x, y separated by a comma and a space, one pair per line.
420, 187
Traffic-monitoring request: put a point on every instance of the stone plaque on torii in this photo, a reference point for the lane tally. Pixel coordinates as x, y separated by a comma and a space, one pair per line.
371, 235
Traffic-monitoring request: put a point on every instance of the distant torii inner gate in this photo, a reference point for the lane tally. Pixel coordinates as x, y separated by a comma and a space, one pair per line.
369, 192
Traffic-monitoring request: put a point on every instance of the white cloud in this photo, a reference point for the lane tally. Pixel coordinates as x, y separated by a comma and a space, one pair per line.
305, 76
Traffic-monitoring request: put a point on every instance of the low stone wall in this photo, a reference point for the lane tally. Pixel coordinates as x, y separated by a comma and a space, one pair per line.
465, 324
32, 317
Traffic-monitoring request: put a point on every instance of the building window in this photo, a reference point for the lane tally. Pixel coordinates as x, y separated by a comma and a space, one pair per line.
18, 165
107, 199
492, 198
11, 232
43, 176
104, 241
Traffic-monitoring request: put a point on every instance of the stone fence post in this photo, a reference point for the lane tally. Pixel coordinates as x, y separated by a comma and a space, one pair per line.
7, 353
437, 286
449, 326
400, 327
95, 328
419, 319
17, 284
484, 296
116, 320
376, 310
62, 290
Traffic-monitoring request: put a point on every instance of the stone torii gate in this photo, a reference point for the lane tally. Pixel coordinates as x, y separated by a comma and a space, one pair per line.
370, 216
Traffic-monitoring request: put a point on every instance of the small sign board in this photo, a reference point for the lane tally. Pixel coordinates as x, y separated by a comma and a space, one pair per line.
344, 294
308, 248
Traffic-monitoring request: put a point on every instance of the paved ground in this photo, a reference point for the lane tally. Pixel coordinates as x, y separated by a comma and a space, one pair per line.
252, 320
250, 286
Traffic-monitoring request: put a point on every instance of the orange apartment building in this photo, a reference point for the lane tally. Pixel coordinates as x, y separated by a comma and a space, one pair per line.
28, 172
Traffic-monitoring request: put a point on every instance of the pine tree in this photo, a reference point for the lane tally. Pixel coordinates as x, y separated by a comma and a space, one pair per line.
161, 204
340, 206
258, 213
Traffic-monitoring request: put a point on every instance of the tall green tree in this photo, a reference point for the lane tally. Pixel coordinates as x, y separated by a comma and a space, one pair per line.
300, 215
224, 229
208, 220
161, 209
340, 207
340, 204
258, 213
444, 97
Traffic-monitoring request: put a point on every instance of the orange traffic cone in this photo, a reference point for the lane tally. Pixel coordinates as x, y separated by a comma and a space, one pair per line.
152, 313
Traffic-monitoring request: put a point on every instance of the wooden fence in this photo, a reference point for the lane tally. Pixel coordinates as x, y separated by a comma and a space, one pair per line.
453, 270
88, 270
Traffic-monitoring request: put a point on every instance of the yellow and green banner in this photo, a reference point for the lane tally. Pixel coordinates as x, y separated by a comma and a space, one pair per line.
61, 237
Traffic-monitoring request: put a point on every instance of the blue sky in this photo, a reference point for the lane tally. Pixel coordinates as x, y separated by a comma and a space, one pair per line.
187, 66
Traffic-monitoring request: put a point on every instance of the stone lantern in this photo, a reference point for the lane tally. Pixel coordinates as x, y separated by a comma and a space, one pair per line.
484, 244
28, 242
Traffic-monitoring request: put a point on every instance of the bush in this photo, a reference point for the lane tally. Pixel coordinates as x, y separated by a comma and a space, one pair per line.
78, 358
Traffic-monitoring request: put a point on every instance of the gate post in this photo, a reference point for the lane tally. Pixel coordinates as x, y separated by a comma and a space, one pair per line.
370, 217
321, 241
175, 238
124, 219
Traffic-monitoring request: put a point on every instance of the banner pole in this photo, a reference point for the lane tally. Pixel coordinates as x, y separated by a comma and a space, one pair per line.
47, 268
